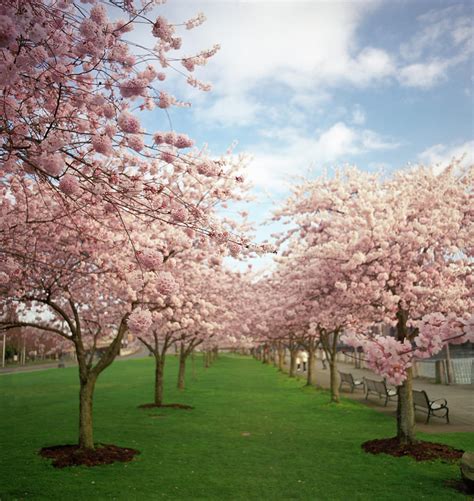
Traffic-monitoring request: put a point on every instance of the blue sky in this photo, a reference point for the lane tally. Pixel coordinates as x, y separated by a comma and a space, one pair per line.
315, 84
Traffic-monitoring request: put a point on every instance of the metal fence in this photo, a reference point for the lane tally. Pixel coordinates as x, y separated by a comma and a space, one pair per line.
462, 370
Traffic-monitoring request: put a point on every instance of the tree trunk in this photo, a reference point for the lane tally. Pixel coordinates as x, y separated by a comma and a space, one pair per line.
182, 369
292, 363
281, 358
193, 360
265, 355
405, 408
159, 372
406, 411
86, 393
334, 380
309, 372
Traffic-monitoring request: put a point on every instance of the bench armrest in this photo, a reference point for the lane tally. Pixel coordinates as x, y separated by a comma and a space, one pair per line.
440, 401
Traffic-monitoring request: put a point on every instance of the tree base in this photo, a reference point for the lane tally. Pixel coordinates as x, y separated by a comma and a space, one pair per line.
173, 406
420, 451
72, 455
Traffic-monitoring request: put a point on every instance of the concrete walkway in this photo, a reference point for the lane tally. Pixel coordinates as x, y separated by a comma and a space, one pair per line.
140, 353
460, 399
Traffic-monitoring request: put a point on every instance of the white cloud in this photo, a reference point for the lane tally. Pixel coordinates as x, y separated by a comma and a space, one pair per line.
371, 65
423, 75
443, 41
274, 169
230, 110
440, 155
358, 115
296, 53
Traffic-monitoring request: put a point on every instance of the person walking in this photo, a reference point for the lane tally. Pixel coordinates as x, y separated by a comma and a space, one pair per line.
304, 359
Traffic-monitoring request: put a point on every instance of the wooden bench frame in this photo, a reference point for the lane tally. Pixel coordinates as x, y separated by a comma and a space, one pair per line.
380, 389
431, 407
348, 378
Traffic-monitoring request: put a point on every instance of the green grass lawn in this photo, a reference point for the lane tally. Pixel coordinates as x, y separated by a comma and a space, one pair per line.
298, 447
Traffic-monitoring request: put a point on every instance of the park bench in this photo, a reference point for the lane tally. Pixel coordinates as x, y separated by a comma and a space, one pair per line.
379, 388
431, 407
347, 378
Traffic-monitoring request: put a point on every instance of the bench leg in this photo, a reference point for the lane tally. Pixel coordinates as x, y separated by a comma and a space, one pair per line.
428, 417
447, 416
386, 402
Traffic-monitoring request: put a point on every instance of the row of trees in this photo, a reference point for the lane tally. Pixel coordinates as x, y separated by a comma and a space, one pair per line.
108, 229
364, 252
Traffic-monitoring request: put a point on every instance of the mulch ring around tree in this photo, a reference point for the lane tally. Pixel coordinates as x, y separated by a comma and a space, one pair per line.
172, 406
421, 451
72, 455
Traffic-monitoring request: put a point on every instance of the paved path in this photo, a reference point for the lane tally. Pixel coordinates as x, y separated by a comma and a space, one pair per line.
140, 353
460, 399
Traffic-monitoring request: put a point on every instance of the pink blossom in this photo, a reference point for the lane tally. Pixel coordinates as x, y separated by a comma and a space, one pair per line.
52, 164
165, 283
135, 141
108, 110
99, 14
69, 184
183, 141
150, 259
196, 21
110, 130
89, 29
163, 30
139, 321
165, 100
102, 144
208, 168
234, 249
135, 87
179, 213
128, 123
8, 31
159, 137
170, 138
168, 157
37, 33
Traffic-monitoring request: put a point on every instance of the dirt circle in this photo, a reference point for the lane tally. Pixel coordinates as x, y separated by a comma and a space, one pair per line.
172, 406
420, 451
72, 455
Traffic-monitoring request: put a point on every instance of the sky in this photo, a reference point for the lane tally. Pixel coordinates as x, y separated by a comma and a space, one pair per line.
304, 86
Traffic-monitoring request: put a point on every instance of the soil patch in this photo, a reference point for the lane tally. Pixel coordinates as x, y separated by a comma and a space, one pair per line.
421, 451
72, 455
172, 406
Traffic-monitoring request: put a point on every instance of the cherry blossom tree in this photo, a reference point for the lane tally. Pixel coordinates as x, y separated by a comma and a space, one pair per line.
76, 83
389, 251
87, 191
89, 290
